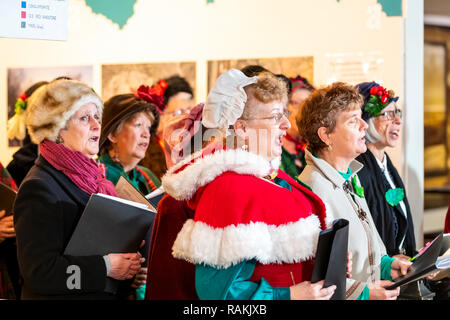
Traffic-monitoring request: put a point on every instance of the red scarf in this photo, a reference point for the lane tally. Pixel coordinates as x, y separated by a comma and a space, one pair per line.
83, 171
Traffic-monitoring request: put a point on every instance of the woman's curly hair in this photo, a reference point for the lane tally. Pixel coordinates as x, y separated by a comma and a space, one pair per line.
268, 88
322, 108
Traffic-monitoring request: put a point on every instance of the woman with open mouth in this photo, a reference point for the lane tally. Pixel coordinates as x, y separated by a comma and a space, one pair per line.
330, 121
63, 118
128, 122
254, 228
383, 188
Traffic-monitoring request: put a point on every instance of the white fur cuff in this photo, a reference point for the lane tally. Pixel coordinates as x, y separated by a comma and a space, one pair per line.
293, 242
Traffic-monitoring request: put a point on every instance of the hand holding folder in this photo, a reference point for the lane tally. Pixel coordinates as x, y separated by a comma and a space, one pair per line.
331, 258
431, 260
110, 225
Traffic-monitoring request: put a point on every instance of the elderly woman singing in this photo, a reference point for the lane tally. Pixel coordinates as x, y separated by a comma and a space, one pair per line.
64, 119
254, 230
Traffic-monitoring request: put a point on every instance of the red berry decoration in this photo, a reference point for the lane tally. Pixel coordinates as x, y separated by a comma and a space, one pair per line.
373, 90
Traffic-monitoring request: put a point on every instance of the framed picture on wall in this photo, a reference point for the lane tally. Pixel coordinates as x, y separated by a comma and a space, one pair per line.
122, 78
290, 67
20, 79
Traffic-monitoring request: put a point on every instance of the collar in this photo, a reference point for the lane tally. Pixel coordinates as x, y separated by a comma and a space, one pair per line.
185, 178
382, 164
106, 159
330, 172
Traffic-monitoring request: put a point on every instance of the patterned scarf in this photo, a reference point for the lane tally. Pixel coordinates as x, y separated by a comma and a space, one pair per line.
83, 171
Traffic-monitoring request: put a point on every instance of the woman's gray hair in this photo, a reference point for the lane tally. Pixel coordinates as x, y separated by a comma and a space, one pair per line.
372, 134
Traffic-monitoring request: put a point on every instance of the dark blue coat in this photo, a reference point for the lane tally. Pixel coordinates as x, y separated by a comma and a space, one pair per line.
46, 211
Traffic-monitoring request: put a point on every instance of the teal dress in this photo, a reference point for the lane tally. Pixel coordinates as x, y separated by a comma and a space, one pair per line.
141, 178
233, 284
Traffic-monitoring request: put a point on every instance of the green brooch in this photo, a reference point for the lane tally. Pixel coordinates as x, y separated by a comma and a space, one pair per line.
394, 196
357, 188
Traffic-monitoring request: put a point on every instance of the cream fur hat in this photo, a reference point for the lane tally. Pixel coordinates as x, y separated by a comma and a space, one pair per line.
54, 104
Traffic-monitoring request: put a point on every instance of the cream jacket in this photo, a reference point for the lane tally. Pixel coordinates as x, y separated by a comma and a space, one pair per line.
364, 241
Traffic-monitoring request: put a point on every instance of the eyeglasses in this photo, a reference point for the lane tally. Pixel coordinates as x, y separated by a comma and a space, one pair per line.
390, 115
178, 112
276, 117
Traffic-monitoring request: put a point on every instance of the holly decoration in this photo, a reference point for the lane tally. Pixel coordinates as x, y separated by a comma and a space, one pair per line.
359, 190
378, 100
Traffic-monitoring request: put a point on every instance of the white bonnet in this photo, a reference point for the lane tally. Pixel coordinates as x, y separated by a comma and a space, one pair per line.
226, 101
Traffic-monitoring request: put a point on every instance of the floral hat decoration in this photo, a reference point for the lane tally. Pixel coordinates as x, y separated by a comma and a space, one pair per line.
16, 126
153, 94
376, 98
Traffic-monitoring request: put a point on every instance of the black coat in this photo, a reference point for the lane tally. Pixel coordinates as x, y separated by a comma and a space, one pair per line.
390, 221
46, 211
23, 161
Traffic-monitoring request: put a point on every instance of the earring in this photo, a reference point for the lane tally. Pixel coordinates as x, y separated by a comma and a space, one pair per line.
59, 140
330, 147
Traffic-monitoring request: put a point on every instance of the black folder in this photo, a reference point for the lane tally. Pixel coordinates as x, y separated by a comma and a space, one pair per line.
7, 197
110, 225
423, 264
155, 196
331, 258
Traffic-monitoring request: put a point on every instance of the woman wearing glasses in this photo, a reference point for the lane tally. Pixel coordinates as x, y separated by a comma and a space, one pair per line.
254, 230
383, 188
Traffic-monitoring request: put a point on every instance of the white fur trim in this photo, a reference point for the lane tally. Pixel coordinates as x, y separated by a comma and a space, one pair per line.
328, 215
293, 242
184, 184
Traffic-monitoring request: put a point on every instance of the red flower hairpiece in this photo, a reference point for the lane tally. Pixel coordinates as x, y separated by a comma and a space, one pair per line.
154, 95
378, 100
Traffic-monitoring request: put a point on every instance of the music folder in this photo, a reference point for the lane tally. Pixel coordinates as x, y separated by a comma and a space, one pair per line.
7, 197
126, 190
331, 258
425, 263
155, 196
110, 225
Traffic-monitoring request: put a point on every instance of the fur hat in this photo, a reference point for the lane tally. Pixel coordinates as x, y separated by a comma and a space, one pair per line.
16, 125
49, 111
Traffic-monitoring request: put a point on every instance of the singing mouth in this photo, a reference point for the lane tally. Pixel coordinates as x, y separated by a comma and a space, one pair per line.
143, 145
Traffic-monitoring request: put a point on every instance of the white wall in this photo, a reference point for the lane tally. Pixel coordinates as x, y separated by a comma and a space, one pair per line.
413, 149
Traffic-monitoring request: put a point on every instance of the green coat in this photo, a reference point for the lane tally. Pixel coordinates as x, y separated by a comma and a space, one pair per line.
114, 170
